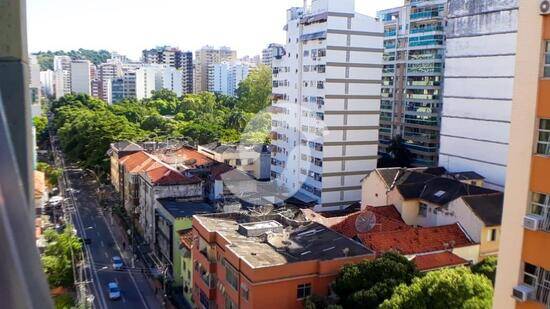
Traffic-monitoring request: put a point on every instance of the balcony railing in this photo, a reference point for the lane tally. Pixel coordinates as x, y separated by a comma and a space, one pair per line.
425, 15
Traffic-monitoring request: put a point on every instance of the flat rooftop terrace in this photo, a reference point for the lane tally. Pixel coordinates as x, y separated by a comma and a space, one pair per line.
271, 240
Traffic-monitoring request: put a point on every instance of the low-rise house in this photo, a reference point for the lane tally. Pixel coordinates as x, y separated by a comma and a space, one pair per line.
255, 160
382, 229
159, 182
266, 261
129, 168
430, 198
174, 220
116, 152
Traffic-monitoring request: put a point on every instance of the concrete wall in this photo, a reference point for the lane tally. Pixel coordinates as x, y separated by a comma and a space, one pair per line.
373, 191
480, 63
517, 195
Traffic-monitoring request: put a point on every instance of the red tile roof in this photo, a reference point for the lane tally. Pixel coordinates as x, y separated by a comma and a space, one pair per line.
186, 156
387, 219
165, 175
438, 260
186, 238
417, 240
137, 162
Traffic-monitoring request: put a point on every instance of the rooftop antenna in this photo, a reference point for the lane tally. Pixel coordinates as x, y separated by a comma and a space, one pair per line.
365, 222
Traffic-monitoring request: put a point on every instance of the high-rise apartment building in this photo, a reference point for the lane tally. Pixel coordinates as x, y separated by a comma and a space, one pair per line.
145, 81
34, 80
106, 72
414, 46
225, 77
172, 79
81, 76
326, 103
267, 54
175, 58
479, 77
62, 75
117, 90
204, 58
523, 275
129, 84
47, 79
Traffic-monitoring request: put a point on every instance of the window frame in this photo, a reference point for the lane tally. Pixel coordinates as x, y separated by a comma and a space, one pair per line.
546, 59
540, 142
303, 291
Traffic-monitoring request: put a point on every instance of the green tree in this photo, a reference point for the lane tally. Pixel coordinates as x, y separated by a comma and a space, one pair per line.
254, 93
487, 267
400, 154
442, 289
52, 174
369, 283
57, 261
45, 58
41, 127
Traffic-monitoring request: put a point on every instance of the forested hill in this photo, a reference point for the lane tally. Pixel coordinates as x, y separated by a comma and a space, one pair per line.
45, 58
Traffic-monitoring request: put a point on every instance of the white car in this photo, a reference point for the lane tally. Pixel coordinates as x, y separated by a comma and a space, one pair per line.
117, 263
114, 291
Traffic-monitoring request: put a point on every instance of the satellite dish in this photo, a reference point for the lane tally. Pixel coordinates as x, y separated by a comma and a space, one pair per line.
365, 222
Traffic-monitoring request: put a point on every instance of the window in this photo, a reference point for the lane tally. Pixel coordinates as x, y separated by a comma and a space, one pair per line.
238, 162
540, 205
423, 210
547, 59
231, 275
492, 235
304, 290
543, 144
538, 278
229, 304
244, 292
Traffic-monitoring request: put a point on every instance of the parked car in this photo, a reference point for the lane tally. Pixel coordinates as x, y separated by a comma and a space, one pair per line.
114, 291
117, 263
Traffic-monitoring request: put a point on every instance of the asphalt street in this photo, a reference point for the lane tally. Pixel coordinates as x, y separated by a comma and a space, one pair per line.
92, 223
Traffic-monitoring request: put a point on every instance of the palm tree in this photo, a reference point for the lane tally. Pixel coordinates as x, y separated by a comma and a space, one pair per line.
237, 120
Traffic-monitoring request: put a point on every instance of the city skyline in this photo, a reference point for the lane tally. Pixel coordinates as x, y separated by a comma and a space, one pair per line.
172, 27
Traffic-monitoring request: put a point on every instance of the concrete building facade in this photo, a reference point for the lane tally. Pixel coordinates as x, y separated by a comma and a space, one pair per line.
479, 77
225, 77
204, 58
414, 45
523, 272
326, 103
81, 81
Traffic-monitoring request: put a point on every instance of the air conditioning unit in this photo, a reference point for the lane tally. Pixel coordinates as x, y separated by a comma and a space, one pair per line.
544, 7
523, 292
532, 222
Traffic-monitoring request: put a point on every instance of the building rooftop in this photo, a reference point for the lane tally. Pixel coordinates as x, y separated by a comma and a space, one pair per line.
487, 207
165, 175
440, 190
469, 175
234, 148
183, 157
126, 146
281, 240
185, 209
417, 240
186, 238
438, 260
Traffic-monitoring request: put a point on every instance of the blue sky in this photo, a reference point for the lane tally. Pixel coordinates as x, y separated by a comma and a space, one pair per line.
129, 26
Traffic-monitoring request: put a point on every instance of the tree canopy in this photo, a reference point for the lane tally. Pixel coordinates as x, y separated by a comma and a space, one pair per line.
369, 283
442, 289
86, 126
45, 58
57, 259
487, 267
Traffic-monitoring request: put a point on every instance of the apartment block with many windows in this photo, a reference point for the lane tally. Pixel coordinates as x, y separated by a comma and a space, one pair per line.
270, 261
414, 46
523, 276
325, 111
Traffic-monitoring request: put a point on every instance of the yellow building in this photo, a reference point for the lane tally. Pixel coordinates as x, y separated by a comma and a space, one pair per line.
523, 276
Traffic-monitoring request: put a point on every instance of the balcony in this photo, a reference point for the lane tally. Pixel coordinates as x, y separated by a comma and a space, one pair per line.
390, 33
425, 15
430, 28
